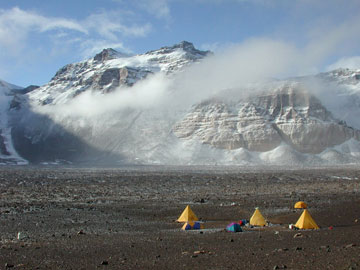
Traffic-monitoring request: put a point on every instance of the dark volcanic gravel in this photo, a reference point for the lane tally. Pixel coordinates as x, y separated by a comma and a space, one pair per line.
81, 218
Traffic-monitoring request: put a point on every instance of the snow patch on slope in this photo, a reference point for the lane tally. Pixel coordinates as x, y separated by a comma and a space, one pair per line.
8, 155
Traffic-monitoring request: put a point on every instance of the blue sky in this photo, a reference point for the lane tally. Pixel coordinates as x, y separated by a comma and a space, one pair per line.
38, 37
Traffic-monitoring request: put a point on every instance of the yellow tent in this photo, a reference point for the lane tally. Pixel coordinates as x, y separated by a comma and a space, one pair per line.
306, 221
187, 215
257, 219
300, 204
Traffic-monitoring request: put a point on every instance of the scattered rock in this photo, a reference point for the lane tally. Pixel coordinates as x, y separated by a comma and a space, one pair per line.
9, 265
202, 200
298, 248
21, 236
280, 249
327, 248
350, 245
104, 263
298, 235
280, 267
81, 232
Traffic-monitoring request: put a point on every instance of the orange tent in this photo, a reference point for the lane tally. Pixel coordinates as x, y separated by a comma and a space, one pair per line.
300, 205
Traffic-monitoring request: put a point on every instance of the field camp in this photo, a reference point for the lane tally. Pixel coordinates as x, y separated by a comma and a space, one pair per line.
305, 222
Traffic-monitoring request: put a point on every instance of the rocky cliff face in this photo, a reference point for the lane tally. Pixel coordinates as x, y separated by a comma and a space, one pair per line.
261, 122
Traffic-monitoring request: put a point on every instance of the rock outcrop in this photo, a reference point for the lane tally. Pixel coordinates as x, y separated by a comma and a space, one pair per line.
261, 122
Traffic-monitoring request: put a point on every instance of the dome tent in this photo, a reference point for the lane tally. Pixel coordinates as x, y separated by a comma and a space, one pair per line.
300, 205
234, 227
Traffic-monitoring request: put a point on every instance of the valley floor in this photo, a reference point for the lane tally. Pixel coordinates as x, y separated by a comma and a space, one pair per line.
82, 218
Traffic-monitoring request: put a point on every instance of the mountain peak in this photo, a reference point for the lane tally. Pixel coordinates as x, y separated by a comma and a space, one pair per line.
108, 54
186, 46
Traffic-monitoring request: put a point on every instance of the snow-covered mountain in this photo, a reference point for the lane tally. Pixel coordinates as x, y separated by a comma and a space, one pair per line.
309, 120
110, 69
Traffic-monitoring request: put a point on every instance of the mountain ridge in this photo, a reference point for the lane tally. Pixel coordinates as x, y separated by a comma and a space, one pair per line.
300, 121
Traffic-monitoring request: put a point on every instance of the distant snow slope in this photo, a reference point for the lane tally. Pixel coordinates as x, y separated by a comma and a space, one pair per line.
8, 154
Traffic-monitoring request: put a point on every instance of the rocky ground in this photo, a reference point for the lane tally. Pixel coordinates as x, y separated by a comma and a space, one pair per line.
124, 218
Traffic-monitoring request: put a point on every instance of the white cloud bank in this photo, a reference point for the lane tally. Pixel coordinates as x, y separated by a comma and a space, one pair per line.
145, 94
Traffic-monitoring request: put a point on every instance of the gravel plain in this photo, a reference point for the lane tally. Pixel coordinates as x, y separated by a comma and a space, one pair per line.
124, 218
